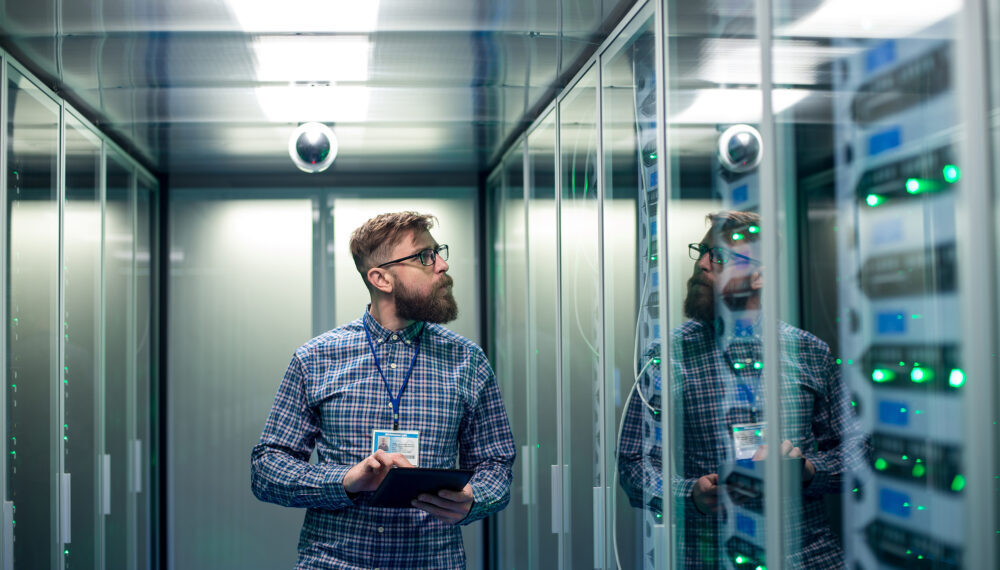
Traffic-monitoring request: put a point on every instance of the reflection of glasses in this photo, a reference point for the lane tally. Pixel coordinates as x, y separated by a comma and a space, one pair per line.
718, 255
427, 256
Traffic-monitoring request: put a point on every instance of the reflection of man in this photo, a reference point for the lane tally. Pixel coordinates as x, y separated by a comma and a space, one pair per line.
717, 391
394, 368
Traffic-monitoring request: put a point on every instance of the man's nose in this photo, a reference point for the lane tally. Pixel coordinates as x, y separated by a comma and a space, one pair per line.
704, 262
440, 265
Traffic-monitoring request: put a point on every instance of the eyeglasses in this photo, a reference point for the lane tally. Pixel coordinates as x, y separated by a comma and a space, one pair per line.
718, 255
427, 256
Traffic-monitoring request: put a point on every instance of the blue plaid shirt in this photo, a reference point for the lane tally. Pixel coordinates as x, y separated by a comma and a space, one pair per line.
332, 397
711, 392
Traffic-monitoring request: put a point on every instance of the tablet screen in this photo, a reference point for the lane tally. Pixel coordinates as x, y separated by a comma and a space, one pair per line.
402, 484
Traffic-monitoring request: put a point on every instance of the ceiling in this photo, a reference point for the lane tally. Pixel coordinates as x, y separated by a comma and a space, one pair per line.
206, 88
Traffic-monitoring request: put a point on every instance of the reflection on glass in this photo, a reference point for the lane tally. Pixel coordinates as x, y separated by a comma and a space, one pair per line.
32, 264
81, 334
119, 400
631, 297
582, 397
543, 429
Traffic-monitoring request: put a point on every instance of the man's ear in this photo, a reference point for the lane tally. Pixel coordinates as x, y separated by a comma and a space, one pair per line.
757, 280
380, 279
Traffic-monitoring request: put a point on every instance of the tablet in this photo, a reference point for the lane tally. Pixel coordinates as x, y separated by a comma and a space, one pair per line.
402, 484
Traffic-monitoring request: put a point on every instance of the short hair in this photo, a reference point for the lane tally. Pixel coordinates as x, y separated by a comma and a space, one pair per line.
373, 240
736, 221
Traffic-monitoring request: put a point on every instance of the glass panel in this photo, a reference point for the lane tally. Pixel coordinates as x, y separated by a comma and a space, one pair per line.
871, 151
631, 296
543, 428
145, 277
82, 346
582, 397
32, 261
119, 359
513, 378
717, 334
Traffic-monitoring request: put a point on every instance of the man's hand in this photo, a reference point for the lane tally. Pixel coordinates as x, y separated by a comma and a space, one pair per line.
792, 452
447, 506
367, 475
705, 494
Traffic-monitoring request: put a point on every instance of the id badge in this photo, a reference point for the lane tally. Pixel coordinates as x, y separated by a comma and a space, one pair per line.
405, 442
747, 438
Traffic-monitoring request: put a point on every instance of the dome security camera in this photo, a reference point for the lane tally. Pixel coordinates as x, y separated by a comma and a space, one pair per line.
312, 147
740, 148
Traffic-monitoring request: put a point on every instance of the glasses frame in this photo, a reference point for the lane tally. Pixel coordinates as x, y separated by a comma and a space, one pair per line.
427, 256
718, 254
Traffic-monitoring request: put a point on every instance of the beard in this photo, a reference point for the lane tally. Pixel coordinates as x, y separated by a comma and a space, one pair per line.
699, 304
433, 308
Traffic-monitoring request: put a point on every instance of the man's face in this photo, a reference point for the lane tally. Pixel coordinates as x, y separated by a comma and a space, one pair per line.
734, 282
421, 292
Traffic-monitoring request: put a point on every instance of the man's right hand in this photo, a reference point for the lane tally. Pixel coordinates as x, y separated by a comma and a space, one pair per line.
705, 494
368, 475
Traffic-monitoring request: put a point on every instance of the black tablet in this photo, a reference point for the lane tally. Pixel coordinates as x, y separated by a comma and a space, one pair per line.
402, 484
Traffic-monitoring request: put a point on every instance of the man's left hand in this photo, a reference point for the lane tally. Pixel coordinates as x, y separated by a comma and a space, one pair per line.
447, 506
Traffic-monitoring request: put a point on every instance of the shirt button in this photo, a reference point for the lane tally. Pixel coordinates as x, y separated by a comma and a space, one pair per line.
394, 337
406, 341
380, 529
393, 365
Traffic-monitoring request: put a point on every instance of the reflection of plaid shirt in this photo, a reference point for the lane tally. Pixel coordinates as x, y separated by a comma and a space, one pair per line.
332, 397
710, 394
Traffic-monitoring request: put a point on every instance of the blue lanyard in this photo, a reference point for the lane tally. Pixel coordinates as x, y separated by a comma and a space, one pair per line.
393, 400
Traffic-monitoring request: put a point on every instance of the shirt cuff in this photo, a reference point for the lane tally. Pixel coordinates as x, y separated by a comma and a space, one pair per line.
333, 486
822, 479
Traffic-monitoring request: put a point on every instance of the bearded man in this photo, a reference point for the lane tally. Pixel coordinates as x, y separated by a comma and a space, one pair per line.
395, 378
717, 410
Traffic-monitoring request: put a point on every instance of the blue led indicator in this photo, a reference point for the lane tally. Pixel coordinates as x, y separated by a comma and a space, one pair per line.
746, 525
894, 503
741, 193
890, 322
885, 140
893, 413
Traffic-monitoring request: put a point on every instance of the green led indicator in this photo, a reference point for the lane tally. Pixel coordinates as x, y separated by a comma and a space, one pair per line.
957, 378
854, 404
901, 363
850, 362
739, 559
919, 470
754, 229
906, 504
738, 365
758, 433
913, 186
855, 490
905, 457
881, 464
915, 316
758, 365
839, 361
921, 508
652, 156
951, 173
918, 412
921, 374
874, 200
656, 361
538, 446
883, 375
902, 410
958, 483
737, 236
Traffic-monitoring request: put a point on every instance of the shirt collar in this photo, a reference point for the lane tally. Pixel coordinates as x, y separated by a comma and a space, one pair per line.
381, 334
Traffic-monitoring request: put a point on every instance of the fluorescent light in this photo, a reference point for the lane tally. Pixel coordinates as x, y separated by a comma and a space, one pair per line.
737, 61
321, 103
312, 58
722, 106
306, 16
870, 18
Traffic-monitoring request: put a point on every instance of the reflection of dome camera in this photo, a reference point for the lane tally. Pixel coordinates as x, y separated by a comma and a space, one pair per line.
312, 147
740, 148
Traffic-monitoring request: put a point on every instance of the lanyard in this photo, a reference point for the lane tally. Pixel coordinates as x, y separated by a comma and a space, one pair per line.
393, 400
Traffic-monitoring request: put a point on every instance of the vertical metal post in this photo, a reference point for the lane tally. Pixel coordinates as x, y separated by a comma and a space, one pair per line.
131, 381
976, 227
603, 530
61, 533
667, 542
104, 465
7, 528
561, 448
769, 209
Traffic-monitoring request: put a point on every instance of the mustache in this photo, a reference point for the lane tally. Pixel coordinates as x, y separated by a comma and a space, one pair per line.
446, 281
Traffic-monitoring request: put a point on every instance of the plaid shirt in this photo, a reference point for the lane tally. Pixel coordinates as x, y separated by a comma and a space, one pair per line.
332, 397
714, 387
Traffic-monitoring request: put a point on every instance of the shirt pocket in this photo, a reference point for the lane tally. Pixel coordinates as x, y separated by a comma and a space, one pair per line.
348, 413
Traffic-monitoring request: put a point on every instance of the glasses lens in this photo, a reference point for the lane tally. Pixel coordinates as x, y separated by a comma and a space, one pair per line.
694, 251
442, 250
427, 257
719, 255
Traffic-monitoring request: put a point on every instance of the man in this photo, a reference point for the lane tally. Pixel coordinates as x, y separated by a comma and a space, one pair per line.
397, 374
718, 401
